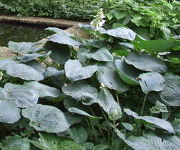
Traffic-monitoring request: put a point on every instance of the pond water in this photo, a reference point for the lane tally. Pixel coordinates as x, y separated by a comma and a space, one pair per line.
20, 33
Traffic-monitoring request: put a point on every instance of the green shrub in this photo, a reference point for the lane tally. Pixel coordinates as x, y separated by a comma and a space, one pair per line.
150, 17
67, 9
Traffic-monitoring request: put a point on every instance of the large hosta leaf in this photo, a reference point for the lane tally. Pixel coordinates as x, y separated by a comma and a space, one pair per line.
19, 94
109, 78
46, 118
155, 46
101, 54
150, 142
127, 73
53, 72
72, 118
24, 47
83, 54
29, 57
60, 53
151, 81
75, 71
40, 67
80, 91
4, 63
64, 40
122, 33
43, 90
23, 71
146, 62
59, 31
153, 120
171, 93
109, 105
10, 113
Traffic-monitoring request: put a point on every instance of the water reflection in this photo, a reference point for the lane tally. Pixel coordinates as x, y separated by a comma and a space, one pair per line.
19, 33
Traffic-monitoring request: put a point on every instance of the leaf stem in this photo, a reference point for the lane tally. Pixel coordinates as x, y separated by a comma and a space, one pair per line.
98, 125
117, 97
108, 123
93, 130
144, 102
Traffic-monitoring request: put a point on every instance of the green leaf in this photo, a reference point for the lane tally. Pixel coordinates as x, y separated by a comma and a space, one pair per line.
5, 62
176, 125
46, 118
23, 71
75, 71
156, 46
77, 108
69, 145
46, 141
64, 40
101, 147
121, 33
109, 78
146, 62
171, 93
102, 54
21, 95
40, 67
80, 91
29, 57
78, 134
128, 126
127, 73
72, 118
43, 90
60, 53
24, 47
126, 45
88, 145
52, 142
83, 54
159, 108
53, 72
151, 81
150, 142
15, 142
81, 112
109, 105
121, 53
153, 120
59, 31
10, 113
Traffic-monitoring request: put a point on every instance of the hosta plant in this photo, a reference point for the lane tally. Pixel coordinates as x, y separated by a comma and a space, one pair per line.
113, 91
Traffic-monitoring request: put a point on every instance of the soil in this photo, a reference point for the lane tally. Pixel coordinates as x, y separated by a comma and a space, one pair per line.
5, 52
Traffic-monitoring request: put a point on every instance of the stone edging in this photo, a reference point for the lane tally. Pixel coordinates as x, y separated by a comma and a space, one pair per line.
41, 21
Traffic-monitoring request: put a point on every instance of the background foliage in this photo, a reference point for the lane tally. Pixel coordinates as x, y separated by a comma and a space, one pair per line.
67, 9
151, 18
